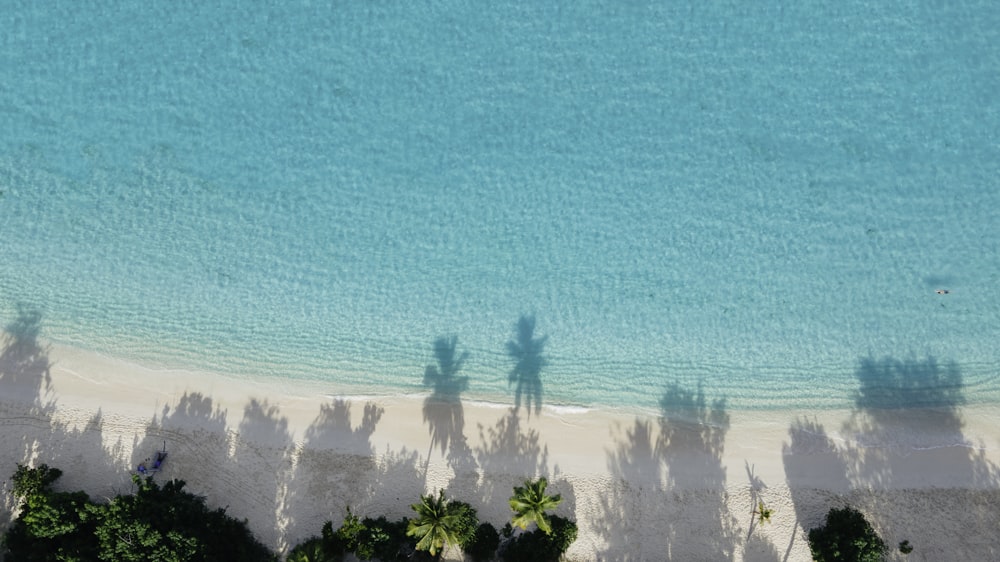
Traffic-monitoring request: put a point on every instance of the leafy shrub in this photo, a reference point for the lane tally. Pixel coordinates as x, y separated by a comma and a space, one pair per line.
537, 546
484, 543
468, 521
155, 523
847, 536
311, 550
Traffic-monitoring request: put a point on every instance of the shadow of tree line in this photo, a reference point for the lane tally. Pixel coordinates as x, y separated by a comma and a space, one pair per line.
907, 416
906, 421
335, 465
660, 507
667, 495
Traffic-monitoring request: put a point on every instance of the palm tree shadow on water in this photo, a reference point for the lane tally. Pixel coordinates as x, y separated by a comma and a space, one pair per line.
526, 376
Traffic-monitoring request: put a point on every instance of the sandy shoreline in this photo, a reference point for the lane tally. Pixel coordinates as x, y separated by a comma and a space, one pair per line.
287, 458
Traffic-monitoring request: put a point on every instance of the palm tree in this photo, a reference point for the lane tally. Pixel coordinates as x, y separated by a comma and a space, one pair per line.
435, 525
763, 512
530, 502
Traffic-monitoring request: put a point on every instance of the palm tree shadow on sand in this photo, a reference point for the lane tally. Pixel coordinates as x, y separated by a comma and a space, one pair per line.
526, 376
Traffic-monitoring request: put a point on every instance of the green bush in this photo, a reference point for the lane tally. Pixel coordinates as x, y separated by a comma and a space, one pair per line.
537, 546
312, 550
468, 521
155, 523
484, 543
846, 536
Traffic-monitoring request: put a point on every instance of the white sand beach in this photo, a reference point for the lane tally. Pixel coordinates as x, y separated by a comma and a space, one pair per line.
287, 457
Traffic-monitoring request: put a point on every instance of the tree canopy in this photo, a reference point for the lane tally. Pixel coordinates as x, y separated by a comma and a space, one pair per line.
530, 502
153, 524
846, 536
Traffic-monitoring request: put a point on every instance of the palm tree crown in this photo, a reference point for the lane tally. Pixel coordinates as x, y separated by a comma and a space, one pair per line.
435, 525
530, 502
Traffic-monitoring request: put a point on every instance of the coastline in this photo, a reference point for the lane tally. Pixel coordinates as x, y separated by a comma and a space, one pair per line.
287, 457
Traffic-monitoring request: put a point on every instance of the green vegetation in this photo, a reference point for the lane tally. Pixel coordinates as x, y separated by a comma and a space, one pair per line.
905, 547
847, 536
155, 523
763, 512
165, 523
440, 522
538, 546
484, 544
368, 539
436, 524
530, 502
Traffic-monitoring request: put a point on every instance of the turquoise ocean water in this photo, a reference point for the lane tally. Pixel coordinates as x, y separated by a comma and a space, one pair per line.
753, 197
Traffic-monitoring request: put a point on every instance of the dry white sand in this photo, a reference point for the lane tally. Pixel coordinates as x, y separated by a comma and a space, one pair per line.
287, 458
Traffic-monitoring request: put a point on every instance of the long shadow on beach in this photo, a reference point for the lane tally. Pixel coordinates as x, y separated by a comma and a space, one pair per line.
906, 425
526, 376
442, 410
901, 407
245, 471
262, 439
31, 434
25, 384
635, 503
815, 473
509, 453
333, 468
692, 440
668, 493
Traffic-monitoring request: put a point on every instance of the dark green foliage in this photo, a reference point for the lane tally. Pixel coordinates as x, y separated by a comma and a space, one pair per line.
467, 522
312, 550
170, 524
368, 539
507, 531
484, 543
437, 522
155, 523
905, 547
52, 525
383, 540
537, 546
31, 481
345, 538
478, 540
847, 536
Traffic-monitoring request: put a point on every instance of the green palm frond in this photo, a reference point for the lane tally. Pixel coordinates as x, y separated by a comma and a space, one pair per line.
435, 524
530, 502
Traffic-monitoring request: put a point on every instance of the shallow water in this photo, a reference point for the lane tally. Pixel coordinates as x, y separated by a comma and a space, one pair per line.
761, 200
